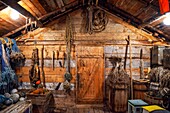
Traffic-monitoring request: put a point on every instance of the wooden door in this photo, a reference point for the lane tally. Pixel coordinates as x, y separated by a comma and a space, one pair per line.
90, 74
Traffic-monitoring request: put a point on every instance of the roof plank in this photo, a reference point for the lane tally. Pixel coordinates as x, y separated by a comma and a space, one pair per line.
45, 5
39, 6
33, 8
13, 4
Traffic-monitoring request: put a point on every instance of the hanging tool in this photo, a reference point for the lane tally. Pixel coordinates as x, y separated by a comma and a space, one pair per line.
126, 52
34, 72
42, 66
57, 55
68, 39
53, 59
63, 59
141, 65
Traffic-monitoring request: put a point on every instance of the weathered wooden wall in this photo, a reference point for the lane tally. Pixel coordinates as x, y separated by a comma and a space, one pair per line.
112, 39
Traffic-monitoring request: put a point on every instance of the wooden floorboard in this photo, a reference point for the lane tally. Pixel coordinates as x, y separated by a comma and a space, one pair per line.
83, 110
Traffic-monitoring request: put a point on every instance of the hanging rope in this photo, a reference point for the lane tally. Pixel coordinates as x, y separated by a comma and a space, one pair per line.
100, 20
96, 19
69, 40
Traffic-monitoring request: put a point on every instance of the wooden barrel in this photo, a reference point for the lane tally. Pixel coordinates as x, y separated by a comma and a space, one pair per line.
139, 88
118, 98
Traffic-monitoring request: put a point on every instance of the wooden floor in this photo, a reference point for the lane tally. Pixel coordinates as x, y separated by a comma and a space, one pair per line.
82, 110
67, 104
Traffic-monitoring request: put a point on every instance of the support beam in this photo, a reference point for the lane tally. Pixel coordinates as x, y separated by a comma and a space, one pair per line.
157, 21
16, 30
153, 22
154, 30
13, 4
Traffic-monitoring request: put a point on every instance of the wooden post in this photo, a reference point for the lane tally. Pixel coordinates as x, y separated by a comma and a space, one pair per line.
77, 76
42, 65
130, 55
141, 65
53, 60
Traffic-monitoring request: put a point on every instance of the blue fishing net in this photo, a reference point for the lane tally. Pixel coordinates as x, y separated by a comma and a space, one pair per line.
8, 78
14, 46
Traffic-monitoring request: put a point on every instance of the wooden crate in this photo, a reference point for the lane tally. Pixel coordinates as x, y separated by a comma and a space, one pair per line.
39, 99
41, 108
41, 102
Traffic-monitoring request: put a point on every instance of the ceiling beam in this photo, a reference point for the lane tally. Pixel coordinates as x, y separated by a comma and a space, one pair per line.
153, 22
13, 4
154, 30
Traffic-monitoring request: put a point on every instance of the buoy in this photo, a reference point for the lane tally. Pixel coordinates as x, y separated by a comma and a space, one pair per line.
21, 99
14, 91
8, 102
2, 98
7, 95
14, 97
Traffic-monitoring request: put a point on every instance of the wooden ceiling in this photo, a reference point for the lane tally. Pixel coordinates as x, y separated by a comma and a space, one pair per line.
143, 14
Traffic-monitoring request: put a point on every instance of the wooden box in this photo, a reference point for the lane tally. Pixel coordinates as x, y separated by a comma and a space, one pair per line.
39, 99
157, 55
41, 102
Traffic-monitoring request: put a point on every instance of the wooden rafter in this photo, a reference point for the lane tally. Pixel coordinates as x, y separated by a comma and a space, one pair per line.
50, 16
56, 14
13, 4
16, 30
111, 8
150, 4
9, 22
57, 10
45, 5
155, 30
31, 7
39, 6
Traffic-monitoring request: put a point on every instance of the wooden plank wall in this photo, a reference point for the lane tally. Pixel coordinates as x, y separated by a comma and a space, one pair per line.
112, 39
